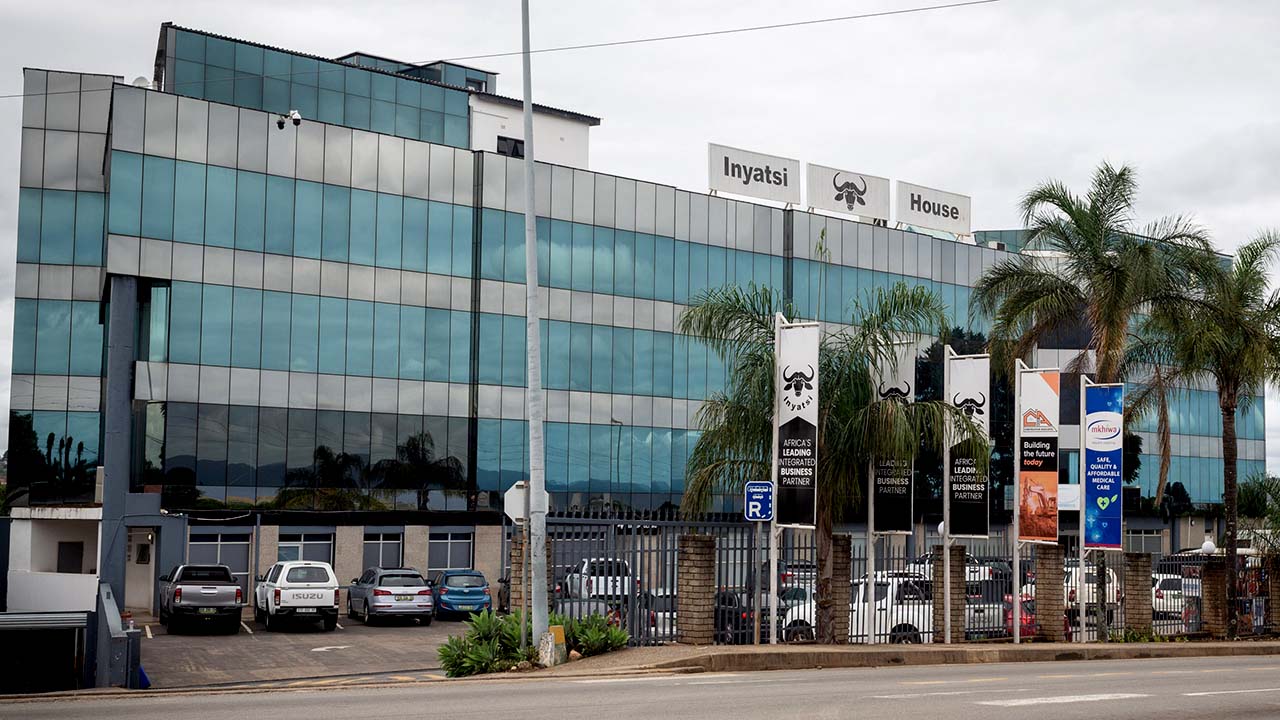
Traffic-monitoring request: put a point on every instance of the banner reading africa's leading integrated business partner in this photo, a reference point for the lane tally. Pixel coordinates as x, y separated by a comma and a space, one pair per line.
796, 415
1102, 435
1038, 465
891, 477
969, 385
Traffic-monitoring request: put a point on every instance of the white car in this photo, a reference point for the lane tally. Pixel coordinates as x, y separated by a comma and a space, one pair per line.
904, 611
1166, 595
297, 590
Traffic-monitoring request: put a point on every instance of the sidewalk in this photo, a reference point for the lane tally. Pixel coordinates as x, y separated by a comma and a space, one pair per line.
744, 658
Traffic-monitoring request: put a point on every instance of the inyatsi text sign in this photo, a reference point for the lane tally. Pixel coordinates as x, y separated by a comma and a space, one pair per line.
743, 172
935, 209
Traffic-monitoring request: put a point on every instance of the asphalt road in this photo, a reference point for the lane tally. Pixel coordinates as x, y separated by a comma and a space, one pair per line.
1238, 688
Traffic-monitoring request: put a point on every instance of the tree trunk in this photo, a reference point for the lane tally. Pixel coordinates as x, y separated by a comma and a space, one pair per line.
826, 569
1230, 492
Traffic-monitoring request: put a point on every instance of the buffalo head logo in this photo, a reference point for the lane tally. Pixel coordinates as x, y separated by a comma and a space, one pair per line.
896, 393
849, 193
970, 406
797, 381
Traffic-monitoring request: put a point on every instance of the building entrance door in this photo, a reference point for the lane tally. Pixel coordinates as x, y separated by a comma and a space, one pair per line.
140, 574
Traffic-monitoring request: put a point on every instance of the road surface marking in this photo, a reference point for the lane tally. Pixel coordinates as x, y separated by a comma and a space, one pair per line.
429, 676
1230, 692
339, 625
148, 629
622, 680
1218, 670
402, 678
952, 682
941, 693
246, 627
327, 648
1062, 699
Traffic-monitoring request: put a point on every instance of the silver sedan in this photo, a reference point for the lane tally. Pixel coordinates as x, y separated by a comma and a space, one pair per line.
390, 592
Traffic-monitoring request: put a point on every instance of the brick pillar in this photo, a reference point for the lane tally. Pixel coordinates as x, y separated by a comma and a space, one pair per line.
696, 590
1049, 601
1273, 594
1213, 593
517, 572
957, 595
842, 584
1137, 592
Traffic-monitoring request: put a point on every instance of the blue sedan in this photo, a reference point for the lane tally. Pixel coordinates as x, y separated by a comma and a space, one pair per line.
461, 591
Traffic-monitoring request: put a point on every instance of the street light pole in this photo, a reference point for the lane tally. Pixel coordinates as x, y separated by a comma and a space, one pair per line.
537, 461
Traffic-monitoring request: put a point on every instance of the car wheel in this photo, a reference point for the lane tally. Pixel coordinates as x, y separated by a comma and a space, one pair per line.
330, 624
725, 637
904, 635
233, 626
350, 615
164, 617
268, 622
426, 621
800, 631
367, 616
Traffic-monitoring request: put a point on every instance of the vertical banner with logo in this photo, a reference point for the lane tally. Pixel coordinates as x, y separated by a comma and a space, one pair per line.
1037, 501
1102, 436
891, 479
969, 385
796, 415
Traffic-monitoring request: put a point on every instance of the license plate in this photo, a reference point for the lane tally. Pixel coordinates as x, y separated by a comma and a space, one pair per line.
466, 607
404, 598
305, 610
207, 611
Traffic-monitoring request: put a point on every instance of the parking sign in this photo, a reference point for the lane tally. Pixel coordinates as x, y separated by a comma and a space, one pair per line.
757, 504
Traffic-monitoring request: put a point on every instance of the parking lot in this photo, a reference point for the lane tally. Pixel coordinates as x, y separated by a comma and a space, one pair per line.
199, 656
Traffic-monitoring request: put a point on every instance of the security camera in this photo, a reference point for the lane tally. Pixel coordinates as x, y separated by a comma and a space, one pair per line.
292, 115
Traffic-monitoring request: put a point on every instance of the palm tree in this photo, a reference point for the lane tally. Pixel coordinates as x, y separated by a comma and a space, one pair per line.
1229, 333
1088, 263
855, 425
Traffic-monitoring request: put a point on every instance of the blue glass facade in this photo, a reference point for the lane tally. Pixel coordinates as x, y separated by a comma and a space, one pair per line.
332, 315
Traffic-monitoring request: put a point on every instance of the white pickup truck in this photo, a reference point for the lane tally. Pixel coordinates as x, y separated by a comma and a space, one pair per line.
297, 590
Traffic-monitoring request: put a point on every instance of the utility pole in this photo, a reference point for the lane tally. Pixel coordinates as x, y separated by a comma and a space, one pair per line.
533, 331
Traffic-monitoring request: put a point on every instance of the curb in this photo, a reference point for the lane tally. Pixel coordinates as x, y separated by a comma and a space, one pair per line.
800, 660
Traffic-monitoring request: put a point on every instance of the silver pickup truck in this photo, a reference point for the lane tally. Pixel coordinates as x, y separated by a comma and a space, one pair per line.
191, 594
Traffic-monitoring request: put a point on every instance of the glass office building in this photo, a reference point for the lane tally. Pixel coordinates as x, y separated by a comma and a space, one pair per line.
331, 315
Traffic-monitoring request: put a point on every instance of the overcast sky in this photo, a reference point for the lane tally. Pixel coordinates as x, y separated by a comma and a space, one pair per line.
983, 100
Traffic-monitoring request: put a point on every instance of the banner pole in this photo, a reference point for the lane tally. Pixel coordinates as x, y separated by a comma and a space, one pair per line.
774, 590
1019, 366
869, 586
947, 353
1080, 610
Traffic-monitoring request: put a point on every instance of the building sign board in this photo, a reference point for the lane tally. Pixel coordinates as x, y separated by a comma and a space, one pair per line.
846, 192
743, 172
934, 209
796, 414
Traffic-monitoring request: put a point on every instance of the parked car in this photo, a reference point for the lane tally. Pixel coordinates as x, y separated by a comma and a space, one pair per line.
203, 594
974, 571
795, 595
390, 592
1166, 595
799, 572
1030, 628
735, 619
297, 590
460, 591
661, 604
600, 577
985, 608
1111, 600
904, 611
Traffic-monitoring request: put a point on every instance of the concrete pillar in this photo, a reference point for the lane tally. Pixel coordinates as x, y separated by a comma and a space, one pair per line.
117, 444
1136, 586
416, 546
1213, 592
488, 552
348, 557
1049, 600
268, 547
842, 584
957, 595
696, 590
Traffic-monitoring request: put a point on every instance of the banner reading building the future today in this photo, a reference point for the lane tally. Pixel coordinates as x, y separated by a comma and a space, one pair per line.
796, 413
1102, 434
969, 384
891, 478
1038, 469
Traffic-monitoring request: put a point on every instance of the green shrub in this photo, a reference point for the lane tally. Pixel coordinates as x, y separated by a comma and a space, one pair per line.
491, 642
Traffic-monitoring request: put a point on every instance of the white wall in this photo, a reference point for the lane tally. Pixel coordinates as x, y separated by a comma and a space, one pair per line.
139, 579
51, 592
557, 140
45, 536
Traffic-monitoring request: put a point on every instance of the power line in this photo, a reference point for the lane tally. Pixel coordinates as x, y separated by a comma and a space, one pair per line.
565, 48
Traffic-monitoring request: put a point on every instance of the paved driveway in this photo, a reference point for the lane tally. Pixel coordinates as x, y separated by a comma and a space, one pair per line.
204, 657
